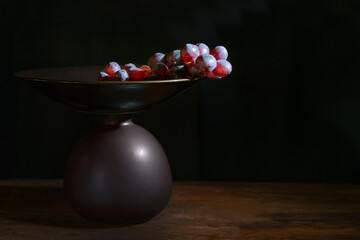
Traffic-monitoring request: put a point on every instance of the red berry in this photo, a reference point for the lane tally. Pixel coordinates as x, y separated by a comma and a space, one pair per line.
189, 53
194, 72
121, 75
179, 71
219, 52
103, 76
157, 57
112, 67
205, 63
203, 48
160, 70
173, 58
136, 74
211, 75
223, 68
147, 70
126, 67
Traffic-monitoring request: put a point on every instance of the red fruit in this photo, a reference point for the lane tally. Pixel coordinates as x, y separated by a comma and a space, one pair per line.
157, 57
211, 75
203, 48
136, 74
160, 70
194, 72
112, 67
104, 77
173, 58
126, 67
189, 53
147, 70
179, 71
205, 63
223, 68
220, 52
121, 75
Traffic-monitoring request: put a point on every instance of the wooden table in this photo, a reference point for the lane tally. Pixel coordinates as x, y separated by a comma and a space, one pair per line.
37, 210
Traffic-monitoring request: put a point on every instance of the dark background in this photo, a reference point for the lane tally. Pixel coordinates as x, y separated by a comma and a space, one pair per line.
290, 111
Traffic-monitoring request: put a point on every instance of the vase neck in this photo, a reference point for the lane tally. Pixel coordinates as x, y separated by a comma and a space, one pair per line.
115, 121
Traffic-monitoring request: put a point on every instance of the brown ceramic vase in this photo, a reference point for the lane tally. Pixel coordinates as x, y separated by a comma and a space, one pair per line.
118, 172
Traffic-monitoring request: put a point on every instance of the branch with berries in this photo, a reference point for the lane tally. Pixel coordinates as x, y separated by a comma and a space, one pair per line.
192, 61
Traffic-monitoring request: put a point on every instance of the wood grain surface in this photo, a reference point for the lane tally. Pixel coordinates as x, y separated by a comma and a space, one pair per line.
37, 210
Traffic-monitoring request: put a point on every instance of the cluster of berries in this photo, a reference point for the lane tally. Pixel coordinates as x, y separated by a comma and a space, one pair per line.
192, 61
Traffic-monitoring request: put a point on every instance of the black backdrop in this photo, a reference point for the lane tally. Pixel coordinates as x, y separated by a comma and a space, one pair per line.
290, 111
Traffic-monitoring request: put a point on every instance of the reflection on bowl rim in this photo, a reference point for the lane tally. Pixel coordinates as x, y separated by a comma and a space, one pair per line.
111, 82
